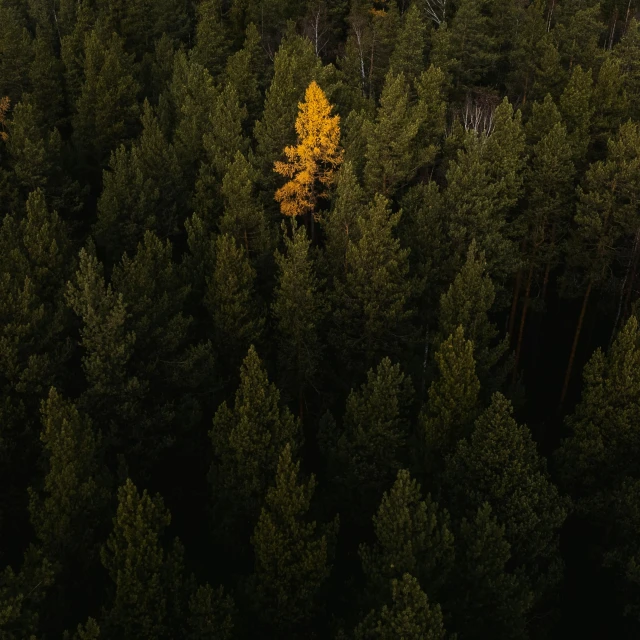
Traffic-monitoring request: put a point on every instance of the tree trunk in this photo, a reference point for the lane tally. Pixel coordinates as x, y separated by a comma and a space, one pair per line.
522, 322
572, 356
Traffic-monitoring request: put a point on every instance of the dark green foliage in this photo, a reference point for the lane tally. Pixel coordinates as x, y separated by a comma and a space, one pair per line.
499, 465
291, 557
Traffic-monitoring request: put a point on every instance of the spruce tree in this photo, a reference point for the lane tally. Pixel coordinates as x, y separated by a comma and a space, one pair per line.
292, 557
410, 616
211, 40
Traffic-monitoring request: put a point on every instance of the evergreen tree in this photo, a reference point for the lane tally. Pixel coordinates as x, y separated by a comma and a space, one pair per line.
88, 631
143, 190
486, 597
453, 399
45, 76
577, 111
211, 41
231, 301
413, 536
244, 217
247, 441
299, 309
499, 464
107, 110
146, 578
373, 443
410, 616
467, 304
408, 55
291, 557
628, 52
211, 615
71, 509
17, 53
392, 153
295, 65
371, 297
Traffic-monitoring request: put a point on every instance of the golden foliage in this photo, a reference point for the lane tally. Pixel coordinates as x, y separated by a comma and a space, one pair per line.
4, 107
312, 163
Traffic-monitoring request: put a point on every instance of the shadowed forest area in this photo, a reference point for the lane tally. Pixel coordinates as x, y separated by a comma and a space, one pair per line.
319, 319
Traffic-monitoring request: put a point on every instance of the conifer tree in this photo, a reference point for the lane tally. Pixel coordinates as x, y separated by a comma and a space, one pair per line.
392, 153
211, 41
244, 217
294, 66
467, 304
412, 535
247, 441
144, 575
411, 616
211, 615
373, 444
453, 399
231, 301
71, 509
486, 597
578, 33
45, 75
88, 631
107, 110
606, 212
577, 111
628, 52
292, 558
143, 190
299, 310
339, 226
431, 108
610, 101
408, 55
499, 464
17, 53
371, 297
312, 163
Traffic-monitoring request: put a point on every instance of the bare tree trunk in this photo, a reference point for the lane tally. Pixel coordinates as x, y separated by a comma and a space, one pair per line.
523, 319
576, 337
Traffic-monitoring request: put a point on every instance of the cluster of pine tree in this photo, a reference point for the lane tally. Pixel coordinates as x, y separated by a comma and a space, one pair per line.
294, 299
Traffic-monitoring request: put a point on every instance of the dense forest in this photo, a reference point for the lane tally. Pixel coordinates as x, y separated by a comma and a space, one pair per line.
319, 319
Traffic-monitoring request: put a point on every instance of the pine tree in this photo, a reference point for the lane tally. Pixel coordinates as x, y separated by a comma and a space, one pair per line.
372, 447
606, 213
299, 310
431, 89
499, 464
16, 48
291, 556
247, 441
411, 616
577, 112
71, 509
46, 75
312, 163
392, 152
22, 594
339, 226
143, 190
467, 303
295, 65
371, 297
578, 33
486, 597
628, 52
453, 399
211, 615
141, 570
244, 217
107, 109
88, 631
408, 55
230, 299
211, 40
412, 536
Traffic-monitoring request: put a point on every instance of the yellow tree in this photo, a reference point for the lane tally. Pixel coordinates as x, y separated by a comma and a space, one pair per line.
311, 164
